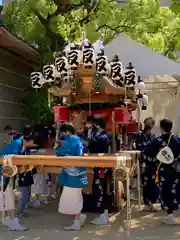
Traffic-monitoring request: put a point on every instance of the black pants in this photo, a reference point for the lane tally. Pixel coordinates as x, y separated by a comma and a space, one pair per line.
99, 191
150, 188
14, 182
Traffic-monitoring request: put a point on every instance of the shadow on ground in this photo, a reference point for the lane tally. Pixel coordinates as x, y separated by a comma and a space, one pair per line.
47, 224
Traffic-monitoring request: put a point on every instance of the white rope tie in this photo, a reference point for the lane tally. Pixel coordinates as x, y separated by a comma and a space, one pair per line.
120, 165
7, 162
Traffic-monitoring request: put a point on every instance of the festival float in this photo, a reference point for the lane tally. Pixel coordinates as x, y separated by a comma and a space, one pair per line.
87, 83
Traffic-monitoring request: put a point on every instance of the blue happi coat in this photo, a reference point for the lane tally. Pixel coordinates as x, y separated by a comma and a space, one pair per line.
13, 147
74, 177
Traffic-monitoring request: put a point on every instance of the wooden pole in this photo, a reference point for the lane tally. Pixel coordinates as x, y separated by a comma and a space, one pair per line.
84, 161
113, 132
57, 135
56, 170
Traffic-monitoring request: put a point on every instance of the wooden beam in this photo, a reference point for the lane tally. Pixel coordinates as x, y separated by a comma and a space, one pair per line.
55, 170
18, 46
108, 161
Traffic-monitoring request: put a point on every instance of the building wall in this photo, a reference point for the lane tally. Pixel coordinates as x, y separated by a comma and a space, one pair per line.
14, 78
163, 104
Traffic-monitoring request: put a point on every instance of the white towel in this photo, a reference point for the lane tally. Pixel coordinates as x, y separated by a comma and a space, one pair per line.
71, 201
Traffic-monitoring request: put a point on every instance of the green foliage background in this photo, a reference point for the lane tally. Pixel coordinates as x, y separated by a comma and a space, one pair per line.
36, 107
46, 23
143, 20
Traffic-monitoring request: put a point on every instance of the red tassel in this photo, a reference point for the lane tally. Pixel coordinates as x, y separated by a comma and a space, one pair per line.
101, 174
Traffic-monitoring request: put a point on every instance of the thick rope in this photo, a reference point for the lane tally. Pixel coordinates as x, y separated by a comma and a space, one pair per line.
7, 162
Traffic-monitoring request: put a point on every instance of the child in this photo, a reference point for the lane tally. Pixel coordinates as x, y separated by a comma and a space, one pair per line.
12, 133
72, 178
7, 193
25, 179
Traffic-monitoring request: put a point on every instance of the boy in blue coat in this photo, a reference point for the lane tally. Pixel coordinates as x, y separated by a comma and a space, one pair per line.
74, 179
10, 220
25, 179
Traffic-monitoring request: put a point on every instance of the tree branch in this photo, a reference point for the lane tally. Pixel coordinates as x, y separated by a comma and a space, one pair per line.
115, 29
57, 40
90, 13
43, 21
64, 7
54, 14
171, 44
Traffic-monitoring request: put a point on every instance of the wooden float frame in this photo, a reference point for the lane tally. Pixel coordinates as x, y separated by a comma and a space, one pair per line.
83, 161
118, 162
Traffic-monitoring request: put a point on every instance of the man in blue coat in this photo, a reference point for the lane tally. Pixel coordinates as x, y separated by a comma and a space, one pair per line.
15, 147
74, 179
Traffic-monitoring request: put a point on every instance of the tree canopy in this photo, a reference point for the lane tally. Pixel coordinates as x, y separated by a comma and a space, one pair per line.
36, 107
47, 23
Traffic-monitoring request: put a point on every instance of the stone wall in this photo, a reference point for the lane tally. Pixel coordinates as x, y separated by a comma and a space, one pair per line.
14, 78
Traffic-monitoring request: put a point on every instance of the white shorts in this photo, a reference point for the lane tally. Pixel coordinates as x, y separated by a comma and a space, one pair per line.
7, 199
71, 201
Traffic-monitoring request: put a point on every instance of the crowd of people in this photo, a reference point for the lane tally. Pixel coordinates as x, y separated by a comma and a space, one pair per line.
93, 139
160, 168
159, 162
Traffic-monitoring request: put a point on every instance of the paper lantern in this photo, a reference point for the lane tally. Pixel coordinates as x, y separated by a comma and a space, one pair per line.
74, 58
67, 47
140, 86
37, 79
102, 65
117, 73
85, 42
49, 73
145, 100
62, 66
89, 58
131, 77
61, 114
123, 115
98, 46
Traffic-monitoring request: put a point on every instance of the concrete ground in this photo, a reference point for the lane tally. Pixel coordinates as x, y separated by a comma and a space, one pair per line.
47, 224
